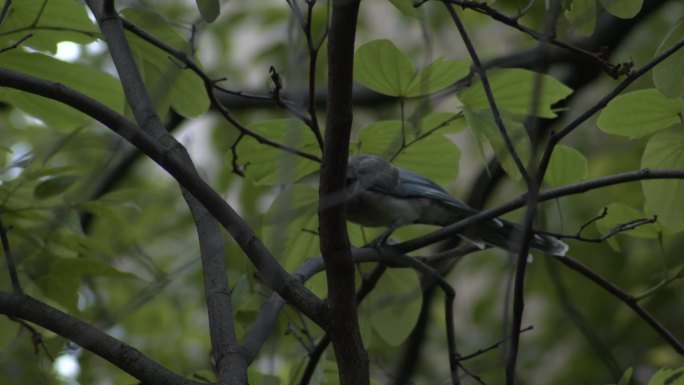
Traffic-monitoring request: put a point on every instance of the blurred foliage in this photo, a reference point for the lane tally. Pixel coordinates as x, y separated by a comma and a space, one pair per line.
104, 235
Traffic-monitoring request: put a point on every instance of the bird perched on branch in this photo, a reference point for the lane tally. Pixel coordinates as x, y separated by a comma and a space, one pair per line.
382, 195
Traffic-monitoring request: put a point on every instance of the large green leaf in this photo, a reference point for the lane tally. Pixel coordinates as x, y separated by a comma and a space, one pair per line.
88, 80
54, 186
437, 76
582, 15
291, 226
444, 122
667, 376
567, 166
485, 129
665, 151
514, 91
395, 303
168, 83
49, 22
640, 113
667, 76
382, 67
434, 156
266, 165
383, 137
624, 9
61, 289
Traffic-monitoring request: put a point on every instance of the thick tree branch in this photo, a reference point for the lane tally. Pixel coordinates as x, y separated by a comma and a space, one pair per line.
9, 259
90, 338
217, 292
352, 359
275, 276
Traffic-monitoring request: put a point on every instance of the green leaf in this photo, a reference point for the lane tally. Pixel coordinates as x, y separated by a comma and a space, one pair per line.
624, 9
582, 15
485, 129
209, 9
619, 214
82, 267
54, 186
382, 138
436, 157
665, 151
85, 79
290, 225
668, 376
167, 82
640, 113
382, 67
667, 76
442, 122
62, 20
266, 165
626, 377
437, 76
514, 90
396, 303
61, 289
188, 95
567, 166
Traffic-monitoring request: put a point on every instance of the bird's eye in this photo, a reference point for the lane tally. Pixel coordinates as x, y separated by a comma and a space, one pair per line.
349, 181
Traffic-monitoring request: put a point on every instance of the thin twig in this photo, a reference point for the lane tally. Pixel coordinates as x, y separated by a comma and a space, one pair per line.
16, 44
630, 225
626, 298
491, 347
614, 70
488, 91
3, 12
36, 337
580, 322
210, 85
557, 137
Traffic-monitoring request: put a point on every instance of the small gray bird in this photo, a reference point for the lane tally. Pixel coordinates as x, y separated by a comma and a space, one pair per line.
382, 195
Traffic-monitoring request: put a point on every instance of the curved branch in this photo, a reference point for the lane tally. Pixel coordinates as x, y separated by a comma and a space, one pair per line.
625, 297
90, 338
276, 277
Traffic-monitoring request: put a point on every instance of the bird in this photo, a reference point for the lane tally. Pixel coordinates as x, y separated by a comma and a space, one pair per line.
379, 194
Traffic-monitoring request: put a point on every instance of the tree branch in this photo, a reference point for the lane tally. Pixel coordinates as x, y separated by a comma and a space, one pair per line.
482, 73
221, 327
275, 276
626, 298
577, 188
352, 359
90, 338
9, 260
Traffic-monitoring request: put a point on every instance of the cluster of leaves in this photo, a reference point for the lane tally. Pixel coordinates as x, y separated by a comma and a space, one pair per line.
49, 169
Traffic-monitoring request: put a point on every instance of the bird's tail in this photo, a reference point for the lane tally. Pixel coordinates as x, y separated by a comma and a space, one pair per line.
508, 236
